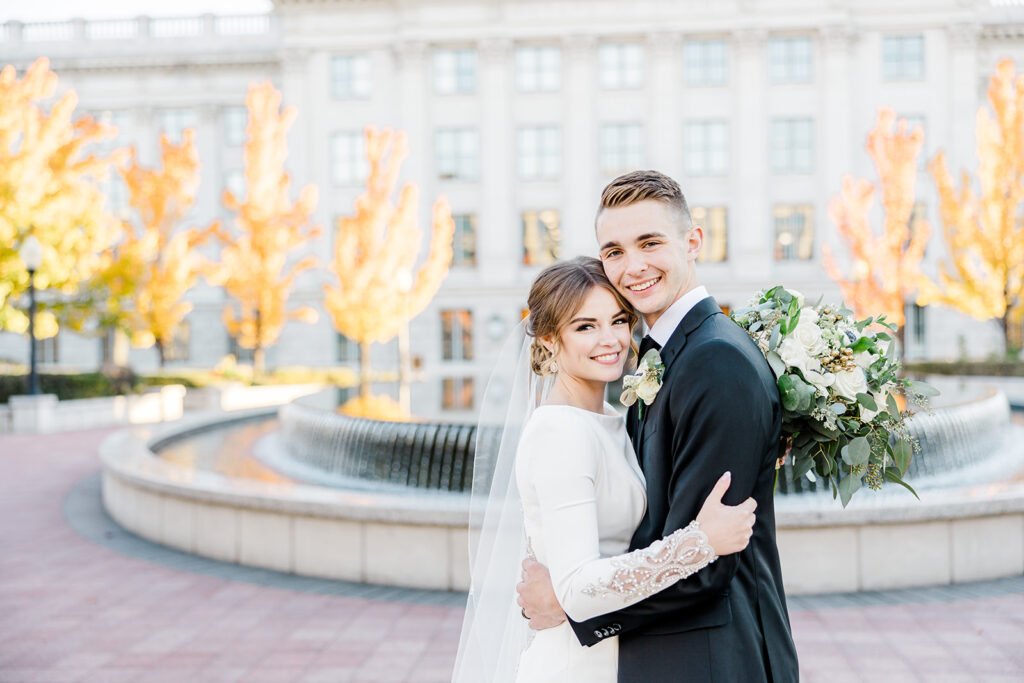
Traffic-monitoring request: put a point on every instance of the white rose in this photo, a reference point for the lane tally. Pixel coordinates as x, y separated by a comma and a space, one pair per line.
849, 383
794, 354
866, 414
863, 359
808, 334
647, 389
821, 379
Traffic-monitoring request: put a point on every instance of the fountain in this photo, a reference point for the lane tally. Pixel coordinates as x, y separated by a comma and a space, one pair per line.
311, 491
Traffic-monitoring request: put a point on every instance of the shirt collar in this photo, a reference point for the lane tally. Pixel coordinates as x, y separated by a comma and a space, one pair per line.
670, 319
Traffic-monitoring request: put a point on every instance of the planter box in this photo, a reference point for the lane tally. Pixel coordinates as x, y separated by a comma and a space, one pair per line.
44, 413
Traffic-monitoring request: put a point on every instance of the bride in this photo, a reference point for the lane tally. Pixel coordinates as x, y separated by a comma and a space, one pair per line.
562, 484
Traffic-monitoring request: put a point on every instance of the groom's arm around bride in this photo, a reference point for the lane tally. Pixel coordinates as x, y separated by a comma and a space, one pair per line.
718, 410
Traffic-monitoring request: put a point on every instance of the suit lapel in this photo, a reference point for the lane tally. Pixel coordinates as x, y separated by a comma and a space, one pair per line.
704, 309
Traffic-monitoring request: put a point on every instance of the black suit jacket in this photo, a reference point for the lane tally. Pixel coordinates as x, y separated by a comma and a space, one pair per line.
718, 409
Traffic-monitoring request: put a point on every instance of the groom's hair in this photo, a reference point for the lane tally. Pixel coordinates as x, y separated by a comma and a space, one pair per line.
637, 186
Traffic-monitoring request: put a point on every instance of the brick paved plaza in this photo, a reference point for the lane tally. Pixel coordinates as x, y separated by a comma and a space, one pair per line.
81, 600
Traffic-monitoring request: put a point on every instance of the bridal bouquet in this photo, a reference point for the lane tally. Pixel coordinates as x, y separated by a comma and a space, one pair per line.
840, 391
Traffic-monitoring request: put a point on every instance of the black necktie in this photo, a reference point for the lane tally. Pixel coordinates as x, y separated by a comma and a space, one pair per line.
646, 344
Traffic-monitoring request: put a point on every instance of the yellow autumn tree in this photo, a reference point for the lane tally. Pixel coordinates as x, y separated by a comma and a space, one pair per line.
158, 262
375, 254
254, 268
984, 232
49, 187
885, 265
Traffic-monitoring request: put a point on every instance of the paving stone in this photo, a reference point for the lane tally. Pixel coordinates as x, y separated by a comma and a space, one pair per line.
83, 600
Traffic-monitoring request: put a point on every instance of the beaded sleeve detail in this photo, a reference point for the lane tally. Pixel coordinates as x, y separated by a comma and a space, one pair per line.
644, 572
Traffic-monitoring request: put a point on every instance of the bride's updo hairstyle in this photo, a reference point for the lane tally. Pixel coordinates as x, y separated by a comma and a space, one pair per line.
556, 296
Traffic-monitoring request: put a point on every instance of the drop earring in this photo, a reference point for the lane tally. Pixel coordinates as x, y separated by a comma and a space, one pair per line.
553, 367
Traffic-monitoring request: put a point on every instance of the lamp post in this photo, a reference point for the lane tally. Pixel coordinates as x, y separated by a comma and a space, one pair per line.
31, 253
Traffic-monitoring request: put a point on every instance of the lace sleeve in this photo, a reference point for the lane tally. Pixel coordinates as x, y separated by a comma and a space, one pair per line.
641, 573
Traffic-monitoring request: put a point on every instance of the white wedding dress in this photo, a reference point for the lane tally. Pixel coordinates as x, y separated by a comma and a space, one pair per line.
583, 496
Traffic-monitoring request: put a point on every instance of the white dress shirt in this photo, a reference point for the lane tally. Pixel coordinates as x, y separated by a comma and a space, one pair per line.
665, 325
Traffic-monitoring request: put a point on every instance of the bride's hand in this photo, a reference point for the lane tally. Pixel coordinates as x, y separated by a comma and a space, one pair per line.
728, 527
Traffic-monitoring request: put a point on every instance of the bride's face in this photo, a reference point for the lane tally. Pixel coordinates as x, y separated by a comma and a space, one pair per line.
594, 344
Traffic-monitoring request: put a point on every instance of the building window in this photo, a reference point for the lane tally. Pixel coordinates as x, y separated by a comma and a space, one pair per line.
621, 65
707, 148
348, 350
706, 62
118, 118
173, 122
454, 71
234, 182
622, 147
457, 393
540, 152
542, 238
790, 60
538, 69
457, 335
47, 350
794, 232
903, 58
916, 323
464, 241
350, 77
235, 121
918, 220
348, 158
241, 354
792, 146
456, 151
178, 349
715, 221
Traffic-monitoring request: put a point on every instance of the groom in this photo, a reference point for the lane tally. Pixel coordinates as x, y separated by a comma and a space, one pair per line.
717, 410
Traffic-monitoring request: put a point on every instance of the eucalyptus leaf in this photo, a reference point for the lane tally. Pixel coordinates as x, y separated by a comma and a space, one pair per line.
802, 466
867, 400
773, 342
777, 364
848, 486
756, 326
902, 453
895, 478
892, 407
838, 408
857, 452
788, 392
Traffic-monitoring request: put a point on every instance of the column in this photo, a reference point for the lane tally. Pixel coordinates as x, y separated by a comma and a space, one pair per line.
581, 178
664, 134
962, 87
499, 239
750, 218
836, 142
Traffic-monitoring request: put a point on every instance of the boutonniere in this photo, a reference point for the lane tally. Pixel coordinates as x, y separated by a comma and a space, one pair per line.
644, 383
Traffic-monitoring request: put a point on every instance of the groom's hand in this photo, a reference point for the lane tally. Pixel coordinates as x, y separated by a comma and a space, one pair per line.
537, 597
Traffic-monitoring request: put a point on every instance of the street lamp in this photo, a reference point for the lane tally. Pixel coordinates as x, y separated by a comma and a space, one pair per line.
31, 253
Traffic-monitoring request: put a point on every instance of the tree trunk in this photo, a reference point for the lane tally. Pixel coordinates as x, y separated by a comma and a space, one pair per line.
364, 370
258, 361
162, 353
901, 342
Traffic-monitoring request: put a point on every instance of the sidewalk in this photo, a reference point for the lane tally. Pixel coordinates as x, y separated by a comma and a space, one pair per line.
81, 600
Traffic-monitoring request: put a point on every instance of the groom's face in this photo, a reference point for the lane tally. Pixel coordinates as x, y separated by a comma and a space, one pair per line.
648, 252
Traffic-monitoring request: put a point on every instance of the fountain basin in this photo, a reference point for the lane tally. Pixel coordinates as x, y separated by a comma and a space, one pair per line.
968, 526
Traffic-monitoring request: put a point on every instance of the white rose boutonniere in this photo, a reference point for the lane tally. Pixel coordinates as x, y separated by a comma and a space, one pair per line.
645, 382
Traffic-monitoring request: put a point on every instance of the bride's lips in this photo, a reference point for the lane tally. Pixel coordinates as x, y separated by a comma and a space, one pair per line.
607, 358
643, 287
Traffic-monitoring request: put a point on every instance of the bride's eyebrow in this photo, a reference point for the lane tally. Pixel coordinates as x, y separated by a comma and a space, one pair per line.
582, 320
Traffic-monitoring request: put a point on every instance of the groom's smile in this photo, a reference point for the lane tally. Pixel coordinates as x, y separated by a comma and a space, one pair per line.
648, 250
645, 285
